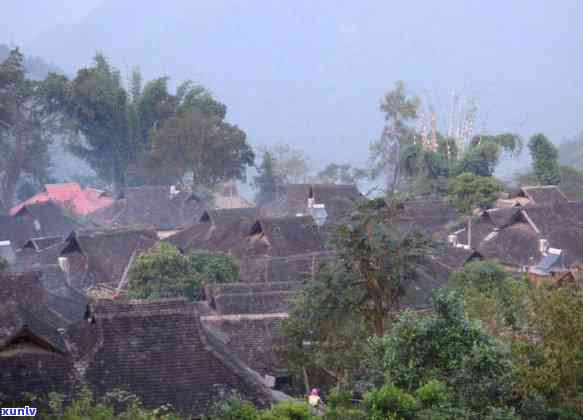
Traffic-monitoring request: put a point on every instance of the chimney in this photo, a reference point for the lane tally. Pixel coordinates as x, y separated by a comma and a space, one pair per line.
311, 202
173, 191
65, 267
452, 240
543, 246
37, 225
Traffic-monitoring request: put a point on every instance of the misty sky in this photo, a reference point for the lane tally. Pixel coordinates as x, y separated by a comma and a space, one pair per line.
311, 73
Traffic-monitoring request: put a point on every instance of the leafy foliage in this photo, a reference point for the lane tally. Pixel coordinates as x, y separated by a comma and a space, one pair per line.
28, 125
381, 257
165, 272
209, 149
266, 180
290, 165
399, 109
552, 363
324, 332
448, 347
341, 174
545, 158
469, 191
116, 404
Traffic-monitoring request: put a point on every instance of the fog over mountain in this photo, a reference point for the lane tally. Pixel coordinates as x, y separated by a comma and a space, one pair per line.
311, 73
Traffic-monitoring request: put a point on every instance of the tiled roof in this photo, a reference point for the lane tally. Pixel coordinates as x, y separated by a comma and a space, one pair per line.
81, 201
102, 256
150, 206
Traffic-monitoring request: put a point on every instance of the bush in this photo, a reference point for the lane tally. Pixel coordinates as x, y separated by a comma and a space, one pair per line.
287, 410
165, 272
433, 393
117, 405
233, 408
390, 400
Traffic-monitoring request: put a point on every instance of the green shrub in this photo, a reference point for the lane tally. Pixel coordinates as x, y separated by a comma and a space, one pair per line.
287, 410
433, 393
388, 400
165, 272
233, 408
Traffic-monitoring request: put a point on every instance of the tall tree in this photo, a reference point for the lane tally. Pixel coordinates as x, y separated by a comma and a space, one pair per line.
291, 165
545, 157
399, 110
341, 174
97, 104
469, 191
210, 150
28, 123
485, 151
266, 180
381, 256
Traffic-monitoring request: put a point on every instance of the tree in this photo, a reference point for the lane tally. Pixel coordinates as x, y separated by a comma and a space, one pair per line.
341, 174
324, 332
266, 180
447, 347
96, 103
210, 150
551, 353
545, 158
291, 165
116, 404
469, 191
381, 256
399, 109
165, 272
28, 123
485, 151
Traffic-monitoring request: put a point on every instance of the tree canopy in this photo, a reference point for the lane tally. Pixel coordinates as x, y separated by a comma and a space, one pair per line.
165, 272
545, 157
28, 124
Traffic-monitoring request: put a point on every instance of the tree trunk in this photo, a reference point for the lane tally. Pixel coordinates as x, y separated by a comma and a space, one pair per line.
379, 327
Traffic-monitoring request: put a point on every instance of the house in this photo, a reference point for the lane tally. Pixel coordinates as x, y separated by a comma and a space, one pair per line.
41, 243
550, 269
48, 219
514, 235
162, 208
251, 298
7, 252
32, 347
228, 197
156, 350
542, 195
246, 237
16, 231
93, 258
70, 196
299, 199
285, 236
432, 217
255, 339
